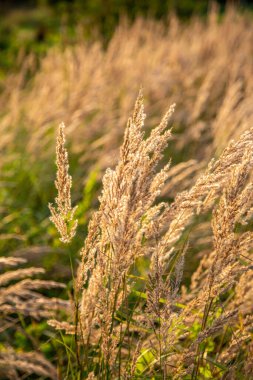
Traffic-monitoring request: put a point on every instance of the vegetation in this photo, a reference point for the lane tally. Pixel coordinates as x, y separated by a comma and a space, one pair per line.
36, 25
147, 267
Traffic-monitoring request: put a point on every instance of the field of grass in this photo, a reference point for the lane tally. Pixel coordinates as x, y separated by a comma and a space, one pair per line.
126, 240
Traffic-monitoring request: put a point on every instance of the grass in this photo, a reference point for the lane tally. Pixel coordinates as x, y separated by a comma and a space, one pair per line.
159, 271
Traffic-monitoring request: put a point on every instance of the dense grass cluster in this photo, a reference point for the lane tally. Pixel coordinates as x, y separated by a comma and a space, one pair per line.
156, 253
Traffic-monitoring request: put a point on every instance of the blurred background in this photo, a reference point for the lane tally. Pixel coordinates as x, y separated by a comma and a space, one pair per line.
35, 25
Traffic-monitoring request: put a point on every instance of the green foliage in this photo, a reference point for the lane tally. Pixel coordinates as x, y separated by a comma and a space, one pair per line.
145, 360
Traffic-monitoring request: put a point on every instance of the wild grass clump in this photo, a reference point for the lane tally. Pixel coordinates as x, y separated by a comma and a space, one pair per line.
162, 288
92, 89
130, 325
21, 299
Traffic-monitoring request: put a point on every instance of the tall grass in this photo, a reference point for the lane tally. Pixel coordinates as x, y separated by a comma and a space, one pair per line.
162, 288
202, 66
132, 326
21, 297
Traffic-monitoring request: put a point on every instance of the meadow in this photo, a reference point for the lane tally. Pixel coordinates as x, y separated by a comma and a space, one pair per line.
126, 204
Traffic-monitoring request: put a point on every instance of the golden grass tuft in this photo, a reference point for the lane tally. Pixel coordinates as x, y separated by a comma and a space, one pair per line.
132, 224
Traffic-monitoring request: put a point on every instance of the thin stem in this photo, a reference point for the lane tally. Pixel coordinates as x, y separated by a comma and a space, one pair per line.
200, 354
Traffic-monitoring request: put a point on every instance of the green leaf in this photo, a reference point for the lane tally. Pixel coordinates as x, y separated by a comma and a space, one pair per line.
216, 364
144, 361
